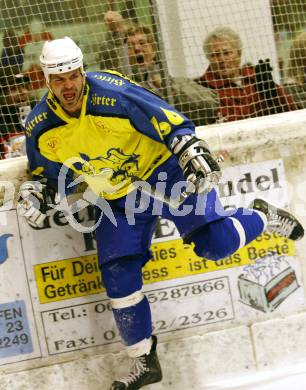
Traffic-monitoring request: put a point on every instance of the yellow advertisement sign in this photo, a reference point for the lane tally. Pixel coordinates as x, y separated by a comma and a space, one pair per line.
70, 278
76, 277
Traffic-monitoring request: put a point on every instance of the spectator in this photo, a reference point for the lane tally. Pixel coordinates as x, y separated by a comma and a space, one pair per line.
130, 51
14, 107
113, 52
32, 42
244, 91
11, 54
296, 79
200, 105
142, 58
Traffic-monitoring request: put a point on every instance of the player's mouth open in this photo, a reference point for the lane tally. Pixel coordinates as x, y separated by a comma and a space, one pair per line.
69, 96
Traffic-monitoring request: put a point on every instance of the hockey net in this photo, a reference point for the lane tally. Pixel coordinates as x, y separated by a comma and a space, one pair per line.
160, 45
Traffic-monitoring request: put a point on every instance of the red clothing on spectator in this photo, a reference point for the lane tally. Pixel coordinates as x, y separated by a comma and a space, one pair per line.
243, 101
28, 37
36, 76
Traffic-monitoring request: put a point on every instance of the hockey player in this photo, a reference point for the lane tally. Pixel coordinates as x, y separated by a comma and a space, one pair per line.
104, 121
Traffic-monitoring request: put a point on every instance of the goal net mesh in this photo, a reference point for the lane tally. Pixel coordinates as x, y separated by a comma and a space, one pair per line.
214, 60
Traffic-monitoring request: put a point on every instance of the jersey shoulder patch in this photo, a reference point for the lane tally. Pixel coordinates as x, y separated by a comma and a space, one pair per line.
40, 118
109, 79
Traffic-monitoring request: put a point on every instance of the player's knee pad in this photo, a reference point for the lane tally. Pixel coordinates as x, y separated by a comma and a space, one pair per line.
122, 277
133, 317
218, 239
251, 222
223, 237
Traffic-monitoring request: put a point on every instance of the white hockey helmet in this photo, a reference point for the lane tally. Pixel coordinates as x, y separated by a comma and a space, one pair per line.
60, 56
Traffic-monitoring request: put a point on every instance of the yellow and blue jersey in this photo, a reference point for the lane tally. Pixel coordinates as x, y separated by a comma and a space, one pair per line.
123, 131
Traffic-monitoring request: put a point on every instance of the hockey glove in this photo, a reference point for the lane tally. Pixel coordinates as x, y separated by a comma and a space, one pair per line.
34, 202
265, 84
198, 165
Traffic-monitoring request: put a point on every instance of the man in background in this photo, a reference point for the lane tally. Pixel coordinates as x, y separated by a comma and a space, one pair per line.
244, 91
133, 52
113, 52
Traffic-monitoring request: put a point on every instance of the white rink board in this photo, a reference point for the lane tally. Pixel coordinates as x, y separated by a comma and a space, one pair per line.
187, 294
18, 333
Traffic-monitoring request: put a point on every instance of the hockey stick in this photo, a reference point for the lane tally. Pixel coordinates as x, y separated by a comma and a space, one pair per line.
153, 192
156, 194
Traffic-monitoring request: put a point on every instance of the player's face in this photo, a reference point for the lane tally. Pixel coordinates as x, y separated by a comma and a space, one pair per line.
140, 51
224, 58
68, 87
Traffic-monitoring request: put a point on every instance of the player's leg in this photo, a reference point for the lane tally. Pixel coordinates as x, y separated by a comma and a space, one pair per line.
217, 233
219, 237
122, 251
123, 283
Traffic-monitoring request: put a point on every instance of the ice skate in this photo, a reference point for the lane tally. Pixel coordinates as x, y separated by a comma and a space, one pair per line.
145, 370
279, 220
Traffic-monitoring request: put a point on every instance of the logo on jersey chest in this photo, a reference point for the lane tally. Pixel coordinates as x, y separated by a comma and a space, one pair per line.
122, 165
53, 143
